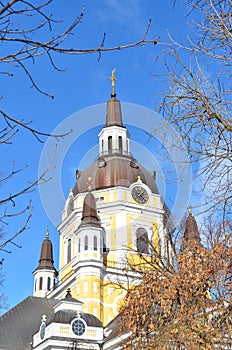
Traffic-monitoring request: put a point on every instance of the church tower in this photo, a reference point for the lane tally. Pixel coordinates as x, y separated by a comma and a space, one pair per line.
109, 219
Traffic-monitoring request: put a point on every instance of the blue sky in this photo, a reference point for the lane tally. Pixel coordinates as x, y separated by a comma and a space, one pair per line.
85, 83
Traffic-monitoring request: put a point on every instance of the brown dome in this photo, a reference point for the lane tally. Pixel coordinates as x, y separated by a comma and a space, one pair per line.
112, 171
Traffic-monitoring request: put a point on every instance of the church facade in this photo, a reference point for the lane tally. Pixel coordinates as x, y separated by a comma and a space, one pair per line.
110, 218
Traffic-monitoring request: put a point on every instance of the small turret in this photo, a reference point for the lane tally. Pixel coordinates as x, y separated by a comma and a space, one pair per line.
89, 266
45, 274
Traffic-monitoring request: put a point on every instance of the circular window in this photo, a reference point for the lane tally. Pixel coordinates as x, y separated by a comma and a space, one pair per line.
78, 327
42, 331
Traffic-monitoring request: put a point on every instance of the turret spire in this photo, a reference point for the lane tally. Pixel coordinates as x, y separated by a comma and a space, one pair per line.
191, 233
113, 112
89, 214
46, 256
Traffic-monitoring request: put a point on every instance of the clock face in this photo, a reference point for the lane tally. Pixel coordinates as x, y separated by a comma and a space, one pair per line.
78, 327
42, 331
139, 194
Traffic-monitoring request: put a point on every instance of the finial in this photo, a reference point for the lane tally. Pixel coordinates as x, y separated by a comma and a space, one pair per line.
112, 78
190, 211
78, 314
139, 177
47, 233
70, 190
89, 188
68, 293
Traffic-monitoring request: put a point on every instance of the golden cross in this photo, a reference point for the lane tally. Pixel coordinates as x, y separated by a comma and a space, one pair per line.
112, 78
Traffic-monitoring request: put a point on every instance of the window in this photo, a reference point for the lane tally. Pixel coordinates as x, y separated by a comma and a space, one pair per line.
86, 242
40, 283
142, 241
102, 146
69, 250
95, 287
49, 283
86, 287
35, 284
110, 144
95, 243
79, 245
105, 249
120, 144
78, 327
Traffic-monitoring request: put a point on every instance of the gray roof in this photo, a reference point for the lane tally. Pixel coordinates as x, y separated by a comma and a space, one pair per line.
19, 324
113, 327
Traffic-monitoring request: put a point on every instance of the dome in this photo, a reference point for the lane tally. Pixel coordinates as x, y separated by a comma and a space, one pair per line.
111, 171
66, 316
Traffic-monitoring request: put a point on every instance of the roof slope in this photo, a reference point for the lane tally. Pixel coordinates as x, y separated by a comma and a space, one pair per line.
19, 324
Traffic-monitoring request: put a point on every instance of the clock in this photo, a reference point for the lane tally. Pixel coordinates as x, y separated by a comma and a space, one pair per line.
139, 194
42, 330
78, 327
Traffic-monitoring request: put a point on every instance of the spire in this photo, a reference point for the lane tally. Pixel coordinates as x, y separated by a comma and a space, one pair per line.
191, 234
113, 112
89, 214
46, 256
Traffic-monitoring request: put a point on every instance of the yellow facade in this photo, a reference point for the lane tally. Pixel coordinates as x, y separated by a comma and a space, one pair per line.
102, 292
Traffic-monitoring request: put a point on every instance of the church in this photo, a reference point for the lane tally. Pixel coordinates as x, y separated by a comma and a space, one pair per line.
109, 217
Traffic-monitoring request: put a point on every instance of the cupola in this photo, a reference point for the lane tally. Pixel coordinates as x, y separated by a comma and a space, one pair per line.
115, 166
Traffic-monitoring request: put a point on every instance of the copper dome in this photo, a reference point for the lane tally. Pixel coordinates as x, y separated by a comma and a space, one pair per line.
112, 171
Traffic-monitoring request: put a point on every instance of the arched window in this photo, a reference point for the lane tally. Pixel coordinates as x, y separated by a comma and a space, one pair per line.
142, 241
102, 150
79, 245
49, 283
95, 243
35, 284
40, 283
105, 250
69, 246
86, 242
120, 144
110, 144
